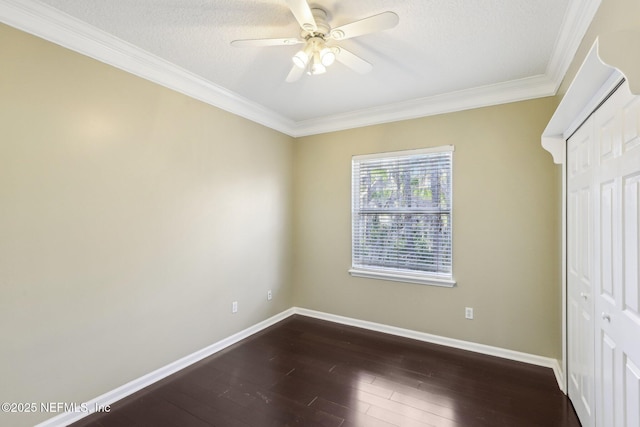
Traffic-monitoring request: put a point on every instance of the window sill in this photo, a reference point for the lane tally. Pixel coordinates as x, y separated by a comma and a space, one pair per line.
398, 277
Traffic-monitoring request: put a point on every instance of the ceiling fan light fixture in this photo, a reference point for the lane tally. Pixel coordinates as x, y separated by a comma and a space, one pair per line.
317, 68
316, 65
327, 56
301, 58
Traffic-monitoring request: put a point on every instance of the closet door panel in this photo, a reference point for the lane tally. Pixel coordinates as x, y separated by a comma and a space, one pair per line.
631, 394
580, 325
629, 307
631, 296
617, 251
608, 382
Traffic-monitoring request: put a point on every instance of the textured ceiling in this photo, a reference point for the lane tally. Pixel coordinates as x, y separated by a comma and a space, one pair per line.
439, 47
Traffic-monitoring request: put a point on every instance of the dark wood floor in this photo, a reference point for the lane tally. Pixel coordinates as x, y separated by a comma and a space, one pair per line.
307, 372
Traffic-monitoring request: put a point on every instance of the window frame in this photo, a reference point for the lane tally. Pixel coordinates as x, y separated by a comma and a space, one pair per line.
393, 274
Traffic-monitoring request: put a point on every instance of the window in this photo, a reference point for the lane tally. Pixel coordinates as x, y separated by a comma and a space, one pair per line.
401, 216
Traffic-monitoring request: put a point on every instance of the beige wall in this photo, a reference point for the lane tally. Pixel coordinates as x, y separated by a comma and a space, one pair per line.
505, 253
128, 217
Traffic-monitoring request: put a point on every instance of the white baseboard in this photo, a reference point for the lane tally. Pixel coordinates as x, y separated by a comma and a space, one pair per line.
131, 387
532, 359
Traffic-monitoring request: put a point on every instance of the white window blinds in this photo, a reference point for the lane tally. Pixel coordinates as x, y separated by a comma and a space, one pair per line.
401, 213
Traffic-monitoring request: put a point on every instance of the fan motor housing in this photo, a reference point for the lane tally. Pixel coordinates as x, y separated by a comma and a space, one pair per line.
321, 17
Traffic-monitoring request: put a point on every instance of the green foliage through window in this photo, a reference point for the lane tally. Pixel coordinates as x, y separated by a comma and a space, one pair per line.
402, 212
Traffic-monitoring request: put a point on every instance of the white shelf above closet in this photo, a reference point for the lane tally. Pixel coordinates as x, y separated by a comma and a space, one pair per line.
608, 62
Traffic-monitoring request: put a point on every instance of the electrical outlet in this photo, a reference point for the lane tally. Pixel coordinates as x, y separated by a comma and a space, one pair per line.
234, 307
269, 295
468, 312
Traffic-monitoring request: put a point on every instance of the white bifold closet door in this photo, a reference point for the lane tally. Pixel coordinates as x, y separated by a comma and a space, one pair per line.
603, 265
580, 280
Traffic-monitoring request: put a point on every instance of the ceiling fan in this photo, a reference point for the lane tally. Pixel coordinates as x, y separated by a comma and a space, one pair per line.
319, 50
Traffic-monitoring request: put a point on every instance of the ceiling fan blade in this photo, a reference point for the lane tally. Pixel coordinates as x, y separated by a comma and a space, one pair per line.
302, 12
353, 61
374, 23
295, 74
266, 42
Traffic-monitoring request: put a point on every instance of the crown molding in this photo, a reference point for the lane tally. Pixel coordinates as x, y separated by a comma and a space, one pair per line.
50, 24
574, 26
484, 96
